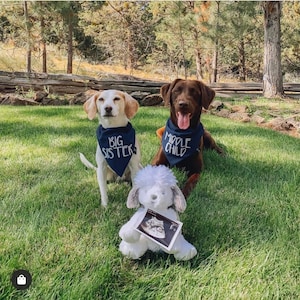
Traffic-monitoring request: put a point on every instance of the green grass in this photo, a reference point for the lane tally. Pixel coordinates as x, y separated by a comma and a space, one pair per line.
243, 217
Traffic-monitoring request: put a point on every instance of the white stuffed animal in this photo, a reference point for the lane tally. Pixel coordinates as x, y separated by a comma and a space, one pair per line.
155, 188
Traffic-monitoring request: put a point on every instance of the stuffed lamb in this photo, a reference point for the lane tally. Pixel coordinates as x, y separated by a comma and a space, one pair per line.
155, 188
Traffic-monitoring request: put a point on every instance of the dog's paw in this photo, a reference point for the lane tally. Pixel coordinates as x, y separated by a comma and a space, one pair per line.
104, 201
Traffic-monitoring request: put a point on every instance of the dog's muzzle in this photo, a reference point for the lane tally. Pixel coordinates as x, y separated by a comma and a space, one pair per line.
108, 111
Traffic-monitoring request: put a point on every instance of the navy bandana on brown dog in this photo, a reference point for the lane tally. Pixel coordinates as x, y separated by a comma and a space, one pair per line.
117, 145
179, 144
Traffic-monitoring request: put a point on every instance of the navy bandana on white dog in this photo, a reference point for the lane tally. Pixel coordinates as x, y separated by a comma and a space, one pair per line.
117, 145
179, 144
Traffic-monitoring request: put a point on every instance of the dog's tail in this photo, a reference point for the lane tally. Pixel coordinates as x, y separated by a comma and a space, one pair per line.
86, 162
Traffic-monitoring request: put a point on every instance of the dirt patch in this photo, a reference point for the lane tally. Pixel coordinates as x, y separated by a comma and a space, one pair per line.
282, 115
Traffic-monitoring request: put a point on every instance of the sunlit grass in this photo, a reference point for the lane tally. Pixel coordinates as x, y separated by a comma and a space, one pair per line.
12, 59
243, 216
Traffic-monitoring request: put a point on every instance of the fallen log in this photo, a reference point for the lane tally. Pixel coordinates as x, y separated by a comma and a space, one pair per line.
73, 84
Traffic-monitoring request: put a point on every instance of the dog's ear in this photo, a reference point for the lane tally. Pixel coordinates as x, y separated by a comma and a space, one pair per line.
207, 93
131, 106
133, 198
166, 91
179, 199
90, 106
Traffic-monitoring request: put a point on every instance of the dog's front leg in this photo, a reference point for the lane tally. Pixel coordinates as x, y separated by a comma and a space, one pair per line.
210, 143
134, 164
190, 184
102, 182
102, 176
160, 158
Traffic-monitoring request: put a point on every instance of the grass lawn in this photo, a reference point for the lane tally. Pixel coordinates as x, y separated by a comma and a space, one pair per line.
243, 217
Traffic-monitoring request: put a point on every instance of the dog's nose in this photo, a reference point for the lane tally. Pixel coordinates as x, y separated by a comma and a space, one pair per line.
108, 109
183, 104
153, 197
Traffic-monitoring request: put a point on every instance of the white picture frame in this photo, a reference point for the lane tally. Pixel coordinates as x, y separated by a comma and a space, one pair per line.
159, 229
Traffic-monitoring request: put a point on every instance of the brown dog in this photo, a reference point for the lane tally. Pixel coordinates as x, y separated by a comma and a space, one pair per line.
184, 137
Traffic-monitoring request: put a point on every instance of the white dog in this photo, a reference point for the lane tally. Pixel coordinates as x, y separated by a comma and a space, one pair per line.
155, 188
118, 151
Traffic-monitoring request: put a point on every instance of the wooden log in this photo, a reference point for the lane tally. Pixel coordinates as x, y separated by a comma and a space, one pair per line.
292, 87
73, 84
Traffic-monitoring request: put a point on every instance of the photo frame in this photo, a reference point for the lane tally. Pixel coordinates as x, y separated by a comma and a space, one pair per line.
159, 229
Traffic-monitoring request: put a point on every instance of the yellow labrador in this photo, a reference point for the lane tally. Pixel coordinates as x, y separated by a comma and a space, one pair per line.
118, 151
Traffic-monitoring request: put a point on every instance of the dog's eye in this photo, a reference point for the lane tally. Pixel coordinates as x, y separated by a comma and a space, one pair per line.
177, 91
117, 98
101, 99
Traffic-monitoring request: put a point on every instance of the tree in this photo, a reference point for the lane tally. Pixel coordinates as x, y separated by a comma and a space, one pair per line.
69, 13
272, 74
174, 35
239, 34
127, 33
216, 45
185, 38
241, 25
28, 35
201, 15
290, 40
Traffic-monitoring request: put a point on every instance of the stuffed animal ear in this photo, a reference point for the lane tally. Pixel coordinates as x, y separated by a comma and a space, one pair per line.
207, 93
90, 106
133, 198
179, 199
131, 106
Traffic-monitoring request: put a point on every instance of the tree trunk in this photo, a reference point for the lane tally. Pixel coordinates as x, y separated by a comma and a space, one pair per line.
197, 51
272, 78
215, 63
130, 50
242, 61
70, 44
199, 73
27, 23
216, 50
44, 49
44, 57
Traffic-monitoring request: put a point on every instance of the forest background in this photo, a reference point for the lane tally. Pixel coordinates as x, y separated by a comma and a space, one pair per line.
209, 40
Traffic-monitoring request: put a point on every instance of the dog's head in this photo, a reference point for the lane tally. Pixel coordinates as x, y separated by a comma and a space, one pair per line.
111, 104
155, 188
186, 99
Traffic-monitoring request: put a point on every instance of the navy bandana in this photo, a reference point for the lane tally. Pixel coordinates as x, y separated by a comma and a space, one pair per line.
117, 145
179, 144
